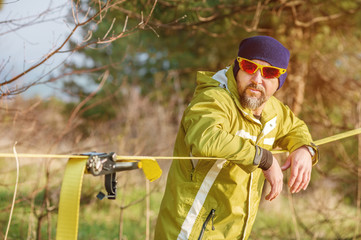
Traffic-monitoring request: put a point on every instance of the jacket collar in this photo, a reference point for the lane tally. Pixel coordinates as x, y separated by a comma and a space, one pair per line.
226, 79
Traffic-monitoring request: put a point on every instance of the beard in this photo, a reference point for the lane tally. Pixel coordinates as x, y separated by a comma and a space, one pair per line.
253, 102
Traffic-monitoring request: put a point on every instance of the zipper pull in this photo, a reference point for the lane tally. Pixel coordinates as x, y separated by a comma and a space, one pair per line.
210, 215
213, 213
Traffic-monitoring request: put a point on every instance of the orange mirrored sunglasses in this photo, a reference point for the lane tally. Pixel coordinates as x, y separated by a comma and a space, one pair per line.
251, 67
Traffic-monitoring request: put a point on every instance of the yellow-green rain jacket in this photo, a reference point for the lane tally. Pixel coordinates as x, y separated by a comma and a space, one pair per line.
222, 194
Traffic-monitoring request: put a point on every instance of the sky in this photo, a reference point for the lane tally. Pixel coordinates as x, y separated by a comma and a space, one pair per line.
22, 46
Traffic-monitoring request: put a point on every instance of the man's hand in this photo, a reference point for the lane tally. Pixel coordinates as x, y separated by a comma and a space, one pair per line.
300, 162
274, 176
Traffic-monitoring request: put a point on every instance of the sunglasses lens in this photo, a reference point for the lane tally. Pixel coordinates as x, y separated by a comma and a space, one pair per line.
247, 66
270, 72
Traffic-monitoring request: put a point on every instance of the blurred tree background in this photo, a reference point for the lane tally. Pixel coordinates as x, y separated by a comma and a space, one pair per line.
139, 58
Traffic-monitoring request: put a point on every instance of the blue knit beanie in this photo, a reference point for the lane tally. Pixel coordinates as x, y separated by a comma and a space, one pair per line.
266, 49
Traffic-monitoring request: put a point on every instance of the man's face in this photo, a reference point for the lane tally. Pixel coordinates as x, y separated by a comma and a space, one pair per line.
254, 90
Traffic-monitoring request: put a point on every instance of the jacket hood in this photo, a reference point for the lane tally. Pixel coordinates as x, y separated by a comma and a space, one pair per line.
225, 79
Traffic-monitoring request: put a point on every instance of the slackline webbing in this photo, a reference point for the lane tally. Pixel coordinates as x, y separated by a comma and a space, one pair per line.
122, 158
68, 214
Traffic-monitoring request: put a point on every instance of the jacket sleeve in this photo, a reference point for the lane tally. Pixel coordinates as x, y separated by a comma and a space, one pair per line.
207, 123
293, 134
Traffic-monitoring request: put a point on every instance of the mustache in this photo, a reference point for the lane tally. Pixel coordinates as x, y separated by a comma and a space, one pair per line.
257, 87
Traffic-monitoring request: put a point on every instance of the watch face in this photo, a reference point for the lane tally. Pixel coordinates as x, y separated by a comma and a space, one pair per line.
310, 149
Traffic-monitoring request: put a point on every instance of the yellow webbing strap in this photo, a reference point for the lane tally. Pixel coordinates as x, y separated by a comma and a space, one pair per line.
330, 139
338, 136
124, 158
151, 169
68, 215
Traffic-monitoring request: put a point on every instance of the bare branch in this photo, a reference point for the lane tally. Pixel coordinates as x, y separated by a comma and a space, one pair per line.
105, 99
151, 12
256, 18
110, 28
82, 103
31, 20
88, 36
86, 14
77, 72
73, 12
318, 19
112, 39
315, 20
15, 191
57, 50
174, 25
207, 19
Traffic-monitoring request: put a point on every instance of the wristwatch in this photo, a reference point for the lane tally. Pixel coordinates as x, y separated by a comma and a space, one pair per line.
312, 152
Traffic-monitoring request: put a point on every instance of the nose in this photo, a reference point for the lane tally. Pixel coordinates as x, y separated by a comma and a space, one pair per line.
257, 77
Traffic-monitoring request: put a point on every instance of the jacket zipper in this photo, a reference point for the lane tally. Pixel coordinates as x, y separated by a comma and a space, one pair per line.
259, 137
248, 207
193, 168
209, 217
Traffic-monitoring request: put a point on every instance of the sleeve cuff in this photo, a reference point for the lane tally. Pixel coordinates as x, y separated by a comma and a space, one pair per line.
263, 158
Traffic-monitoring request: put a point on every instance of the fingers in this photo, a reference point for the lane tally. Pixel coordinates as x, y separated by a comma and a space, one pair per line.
300, 163
294, 180
276, 189
286, 165
299, 179
307, 180
274, 176
301, 167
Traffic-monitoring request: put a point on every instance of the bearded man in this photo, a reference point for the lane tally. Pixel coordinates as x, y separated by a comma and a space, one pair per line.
235, 118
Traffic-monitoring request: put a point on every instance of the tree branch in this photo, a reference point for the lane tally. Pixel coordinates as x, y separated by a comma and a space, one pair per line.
106, 5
